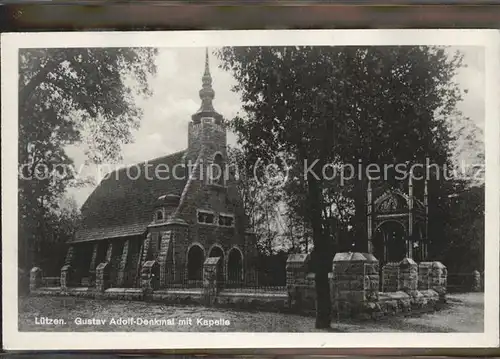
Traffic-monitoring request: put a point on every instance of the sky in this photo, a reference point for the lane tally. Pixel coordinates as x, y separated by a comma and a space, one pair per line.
175, 98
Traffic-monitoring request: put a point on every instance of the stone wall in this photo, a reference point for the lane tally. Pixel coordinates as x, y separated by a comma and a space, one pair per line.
123, 264
133, 266
116, 249
438, 279
300, 283
354, 283
433, 276
102, 281
35, 278
199, 194
408, 275
476, 281
93, 264
181, 241
390, 277
150, 276
210, 283
66, 277
424, 273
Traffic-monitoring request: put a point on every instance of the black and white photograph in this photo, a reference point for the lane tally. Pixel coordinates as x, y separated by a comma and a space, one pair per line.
336, 184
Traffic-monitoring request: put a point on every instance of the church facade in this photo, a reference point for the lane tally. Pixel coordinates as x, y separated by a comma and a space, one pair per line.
178, 210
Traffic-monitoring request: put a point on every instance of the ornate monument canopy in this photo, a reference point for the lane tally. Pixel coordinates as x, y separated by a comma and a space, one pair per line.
398, 219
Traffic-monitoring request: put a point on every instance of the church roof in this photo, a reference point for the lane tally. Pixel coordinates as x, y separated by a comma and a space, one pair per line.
122, 205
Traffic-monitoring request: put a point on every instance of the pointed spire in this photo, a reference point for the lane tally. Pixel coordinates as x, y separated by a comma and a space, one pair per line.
206, 74
207, 93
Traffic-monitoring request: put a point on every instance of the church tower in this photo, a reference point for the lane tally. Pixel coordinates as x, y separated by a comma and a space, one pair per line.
207, 130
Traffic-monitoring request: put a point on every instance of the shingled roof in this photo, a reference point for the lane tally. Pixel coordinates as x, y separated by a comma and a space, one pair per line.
123, 206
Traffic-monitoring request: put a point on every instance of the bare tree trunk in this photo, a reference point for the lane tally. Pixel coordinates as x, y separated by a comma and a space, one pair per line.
321, 256
360, 230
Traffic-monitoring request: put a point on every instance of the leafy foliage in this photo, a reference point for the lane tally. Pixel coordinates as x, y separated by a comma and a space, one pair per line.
464, 250
345, 106
261, 203
70, 96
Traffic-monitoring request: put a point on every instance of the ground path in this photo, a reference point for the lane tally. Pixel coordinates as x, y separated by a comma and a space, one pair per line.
464, 313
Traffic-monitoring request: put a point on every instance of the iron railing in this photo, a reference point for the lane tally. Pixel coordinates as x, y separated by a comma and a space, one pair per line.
463, 282
51, 281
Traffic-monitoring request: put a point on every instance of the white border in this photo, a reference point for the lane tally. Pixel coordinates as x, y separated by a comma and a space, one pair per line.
14, 340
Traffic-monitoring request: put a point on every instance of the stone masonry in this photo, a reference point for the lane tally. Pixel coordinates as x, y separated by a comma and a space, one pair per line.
408, 275
297, 283
150, 276
123, 263
210, 283
66, 276
35, 278
169, 216
390, 277
439, 275
424, 275
102, 277
355, 282
93, 264
476, 281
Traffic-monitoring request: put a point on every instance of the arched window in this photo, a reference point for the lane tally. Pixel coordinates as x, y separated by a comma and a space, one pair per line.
195, 260
217, 251
389, 241
218, 170
234, 267
159, 215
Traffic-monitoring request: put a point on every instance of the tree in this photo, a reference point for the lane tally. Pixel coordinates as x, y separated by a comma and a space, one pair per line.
83, 96
464, 252
342, 105
261, 203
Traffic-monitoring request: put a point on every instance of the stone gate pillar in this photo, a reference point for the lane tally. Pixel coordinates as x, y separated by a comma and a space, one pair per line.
439, 279
409, 283
355, 283
93, 264
102, 281
35, 278
408, 276
66, 276
390, 277
150, 276
476, 281
210, 283
424, 275
122, 266
297, 268
67, 270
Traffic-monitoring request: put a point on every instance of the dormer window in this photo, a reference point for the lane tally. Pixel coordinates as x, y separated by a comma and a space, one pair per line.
226, 220
205, 217
159, 215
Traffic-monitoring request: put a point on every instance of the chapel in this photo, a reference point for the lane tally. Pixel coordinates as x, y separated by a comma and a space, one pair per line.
178, 218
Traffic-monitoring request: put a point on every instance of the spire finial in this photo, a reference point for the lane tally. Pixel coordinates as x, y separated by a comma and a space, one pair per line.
207, 93
207, 67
